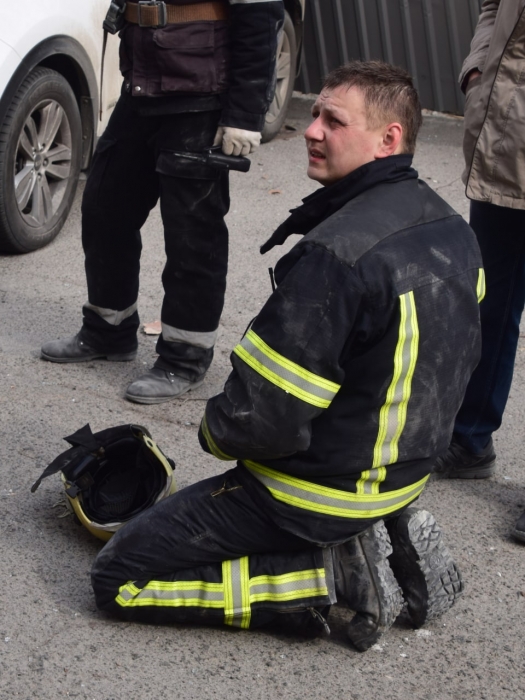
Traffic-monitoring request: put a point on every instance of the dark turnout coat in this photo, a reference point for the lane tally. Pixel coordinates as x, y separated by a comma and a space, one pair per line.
231, 59
346, 385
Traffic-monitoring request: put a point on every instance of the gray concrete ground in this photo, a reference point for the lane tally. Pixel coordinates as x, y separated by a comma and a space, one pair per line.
54, 643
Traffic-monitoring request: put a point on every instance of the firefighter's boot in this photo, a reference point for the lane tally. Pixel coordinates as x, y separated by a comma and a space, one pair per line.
365, 582
427, 574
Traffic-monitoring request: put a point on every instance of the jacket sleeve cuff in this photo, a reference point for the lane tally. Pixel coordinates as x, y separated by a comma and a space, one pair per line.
208, 443
242, 120
467, 69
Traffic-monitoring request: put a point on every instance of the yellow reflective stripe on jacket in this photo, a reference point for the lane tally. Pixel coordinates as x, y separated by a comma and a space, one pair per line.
328, 501
234, 595
370, 480
481, 288
236, 578
214, 449
284, 373
176, 594
392, 416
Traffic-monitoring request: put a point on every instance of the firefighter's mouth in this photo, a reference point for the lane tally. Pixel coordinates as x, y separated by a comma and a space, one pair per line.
314, 154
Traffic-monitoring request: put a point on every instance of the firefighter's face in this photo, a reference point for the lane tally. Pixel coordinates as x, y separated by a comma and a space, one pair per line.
340, 139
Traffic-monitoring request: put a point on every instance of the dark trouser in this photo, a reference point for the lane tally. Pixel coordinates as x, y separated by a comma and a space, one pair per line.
131, 169
208, 554
501, 236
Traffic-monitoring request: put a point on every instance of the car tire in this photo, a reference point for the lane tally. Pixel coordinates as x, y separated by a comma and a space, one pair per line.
285, 78
40, 156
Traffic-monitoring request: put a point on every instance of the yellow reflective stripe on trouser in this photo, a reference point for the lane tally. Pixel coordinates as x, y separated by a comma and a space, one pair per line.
236, 578
327, 501
284, 373
286, 587
216, 451
392, 416
481, 287
175, 594
234, 595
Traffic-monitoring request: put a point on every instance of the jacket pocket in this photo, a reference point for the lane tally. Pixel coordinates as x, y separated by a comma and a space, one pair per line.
193, 57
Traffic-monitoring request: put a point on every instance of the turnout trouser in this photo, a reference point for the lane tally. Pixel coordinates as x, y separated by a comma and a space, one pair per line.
501, 236
209, 555
132, 168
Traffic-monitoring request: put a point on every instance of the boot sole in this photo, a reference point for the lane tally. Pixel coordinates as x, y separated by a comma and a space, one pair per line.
151, 400
391, 593
430, 580
118, 357
519, 535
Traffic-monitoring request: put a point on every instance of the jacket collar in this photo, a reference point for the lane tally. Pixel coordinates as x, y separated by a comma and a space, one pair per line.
326, 201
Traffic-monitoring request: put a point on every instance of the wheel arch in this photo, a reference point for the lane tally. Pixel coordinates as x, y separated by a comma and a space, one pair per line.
66, 56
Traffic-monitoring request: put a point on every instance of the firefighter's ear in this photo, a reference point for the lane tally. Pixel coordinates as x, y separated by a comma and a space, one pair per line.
392, 141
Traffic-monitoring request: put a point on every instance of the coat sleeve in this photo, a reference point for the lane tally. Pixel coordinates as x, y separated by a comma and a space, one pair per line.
287, 368
481, 40
254, 30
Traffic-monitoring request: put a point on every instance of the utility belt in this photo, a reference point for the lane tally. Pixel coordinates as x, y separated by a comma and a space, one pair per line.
157, 14
324, 500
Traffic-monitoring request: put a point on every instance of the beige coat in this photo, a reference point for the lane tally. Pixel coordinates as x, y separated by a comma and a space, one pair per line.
494, 142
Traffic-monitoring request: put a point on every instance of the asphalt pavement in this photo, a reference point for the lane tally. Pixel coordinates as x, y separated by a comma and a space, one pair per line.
53, 641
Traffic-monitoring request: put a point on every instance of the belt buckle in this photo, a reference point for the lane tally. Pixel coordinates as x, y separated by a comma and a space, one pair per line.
162, 14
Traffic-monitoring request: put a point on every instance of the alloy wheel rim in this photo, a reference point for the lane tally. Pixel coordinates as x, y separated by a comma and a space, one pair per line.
284, 60
42, 163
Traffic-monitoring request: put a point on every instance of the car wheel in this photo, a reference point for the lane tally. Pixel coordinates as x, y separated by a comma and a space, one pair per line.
285, 69
40, 154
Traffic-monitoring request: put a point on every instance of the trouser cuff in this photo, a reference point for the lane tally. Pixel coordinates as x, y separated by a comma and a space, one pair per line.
187, 361
108, 337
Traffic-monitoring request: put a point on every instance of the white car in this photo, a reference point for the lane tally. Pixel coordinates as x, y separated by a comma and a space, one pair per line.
51, 113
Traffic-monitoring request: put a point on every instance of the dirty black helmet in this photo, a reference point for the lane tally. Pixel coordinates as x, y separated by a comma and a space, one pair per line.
111, 476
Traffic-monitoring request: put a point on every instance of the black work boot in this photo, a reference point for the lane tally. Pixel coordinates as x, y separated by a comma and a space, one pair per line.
423, 566
159, 385
365, 582
519, 530
459, 463
76, 350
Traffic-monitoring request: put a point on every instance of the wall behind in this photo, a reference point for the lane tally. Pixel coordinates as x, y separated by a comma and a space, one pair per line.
430, 38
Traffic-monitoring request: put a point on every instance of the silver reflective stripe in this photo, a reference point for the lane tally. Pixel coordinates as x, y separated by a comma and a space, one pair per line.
112, 316
329, 501
236, 580
178, 335
373, 475
393, 413
328, 561
286, 587
172, 594
370, 480
284, 373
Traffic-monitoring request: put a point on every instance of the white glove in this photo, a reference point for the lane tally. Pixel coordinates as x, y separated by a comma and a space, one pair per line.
236, 142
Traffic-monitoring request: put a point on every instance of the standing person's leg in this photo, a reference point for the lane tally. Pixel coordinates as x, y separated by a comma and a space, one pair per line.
194, 202
121, 189
501, 235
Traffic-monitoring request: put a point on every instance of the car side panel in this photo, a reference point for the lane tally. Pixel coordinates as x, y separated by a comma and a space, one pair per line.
81, 21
